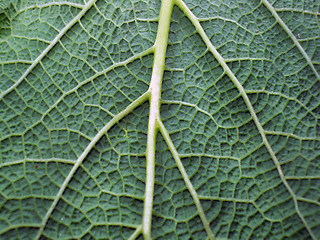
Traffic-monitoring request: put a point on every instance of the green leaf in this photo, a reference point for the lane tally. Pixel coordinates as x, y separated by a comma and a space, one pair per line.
159, 119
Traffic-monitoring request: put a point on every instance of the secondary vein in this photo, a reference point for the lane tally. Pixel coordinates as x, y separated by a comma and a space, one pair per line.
247, 101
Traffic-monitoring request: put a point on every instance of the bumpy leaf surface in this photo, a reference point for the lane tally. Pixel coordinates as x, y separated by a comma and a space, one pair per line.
237, 154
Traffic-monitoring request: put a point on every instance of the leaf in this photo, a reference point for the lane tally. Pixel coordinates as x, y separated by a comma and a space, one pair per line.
170, 120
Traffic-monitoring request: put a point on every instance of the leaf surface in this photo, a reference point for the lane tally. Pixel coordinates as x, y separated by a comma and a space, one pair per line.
163, 119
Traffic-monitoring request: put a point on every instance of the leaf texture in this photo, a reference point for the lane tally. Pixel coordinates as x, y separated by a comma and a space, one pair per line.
106, 124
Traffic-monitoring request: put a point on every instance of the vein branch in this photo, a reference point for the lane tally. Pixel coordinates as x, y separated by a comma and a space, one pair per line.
186, 179
247, 101
71, 4
84, 154
291, 35
49, 47
136, 233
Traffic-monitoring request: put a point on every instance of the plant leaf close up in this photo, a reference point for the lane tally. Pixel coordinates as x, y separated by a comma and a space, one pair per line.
151, 119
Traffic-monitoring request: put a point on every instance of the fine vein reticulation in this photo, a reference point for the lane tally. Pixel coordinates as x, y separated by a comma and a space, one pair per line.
157, 125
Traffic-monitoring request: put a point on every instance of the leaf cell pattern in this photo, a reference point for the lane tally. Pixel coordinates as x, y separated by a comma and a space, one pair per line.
202, 116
